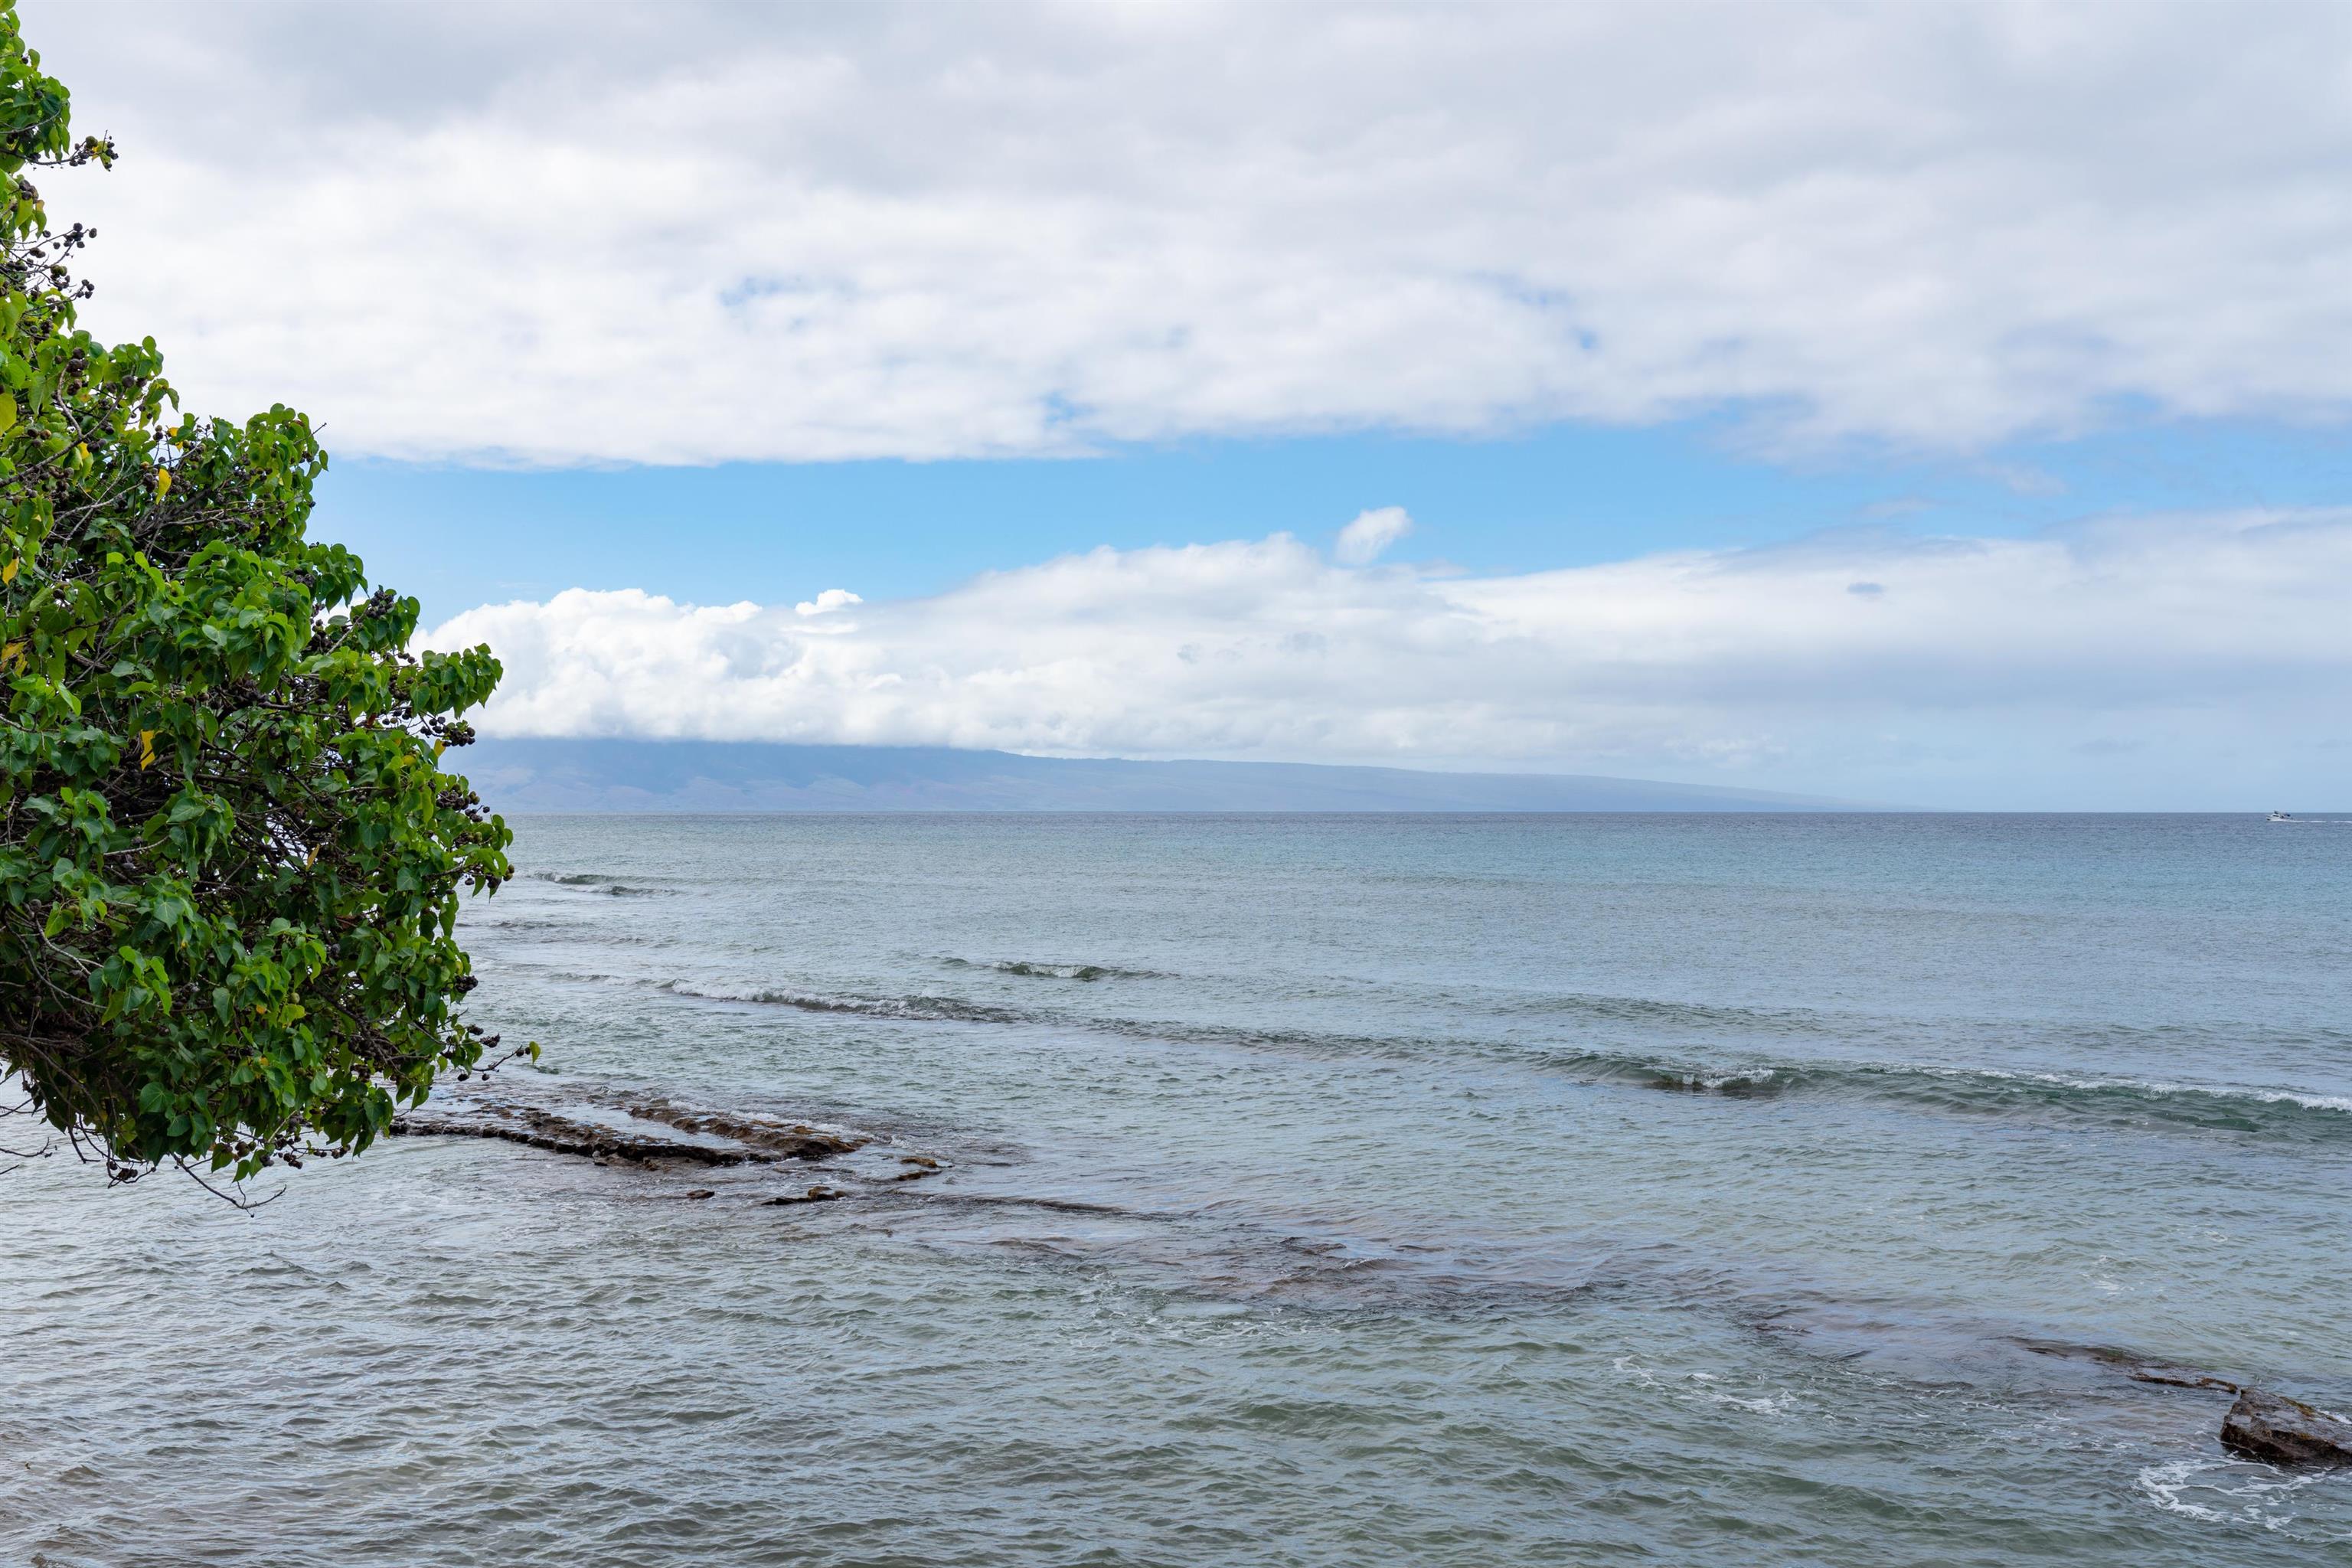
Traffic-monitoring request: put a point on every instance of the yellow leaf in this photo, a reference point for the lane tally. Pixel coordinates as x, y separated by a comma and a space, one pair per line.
162, 483
14, 650
8, 573
146, 750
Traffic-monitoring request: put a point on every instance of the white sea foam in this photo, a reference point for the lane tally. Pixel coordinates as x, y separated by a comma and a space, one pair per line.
2155, 1086
1772, 1404
1640, 1377
2235, 1491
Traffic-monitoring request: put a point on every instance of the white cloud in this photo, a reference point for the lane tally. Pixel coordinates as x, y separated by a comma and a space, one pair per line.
1983, 670
825, 603
1361, 542
688, 233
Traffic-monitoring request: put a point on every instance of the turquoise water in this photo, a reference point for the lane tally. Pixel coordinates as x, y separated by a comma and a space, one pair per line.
1317, 1191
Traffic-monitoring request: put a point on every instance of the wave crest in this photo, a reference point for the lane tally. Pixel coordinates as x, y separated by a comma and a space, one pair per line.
1039, 970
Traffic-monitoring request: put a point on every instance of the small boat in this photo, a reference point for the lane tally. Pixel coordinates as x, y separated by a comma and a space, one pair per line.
2282, 817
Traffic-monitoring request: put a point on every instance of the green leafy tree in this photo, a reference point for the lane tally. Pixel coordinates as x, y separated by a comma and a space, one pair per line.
229, 862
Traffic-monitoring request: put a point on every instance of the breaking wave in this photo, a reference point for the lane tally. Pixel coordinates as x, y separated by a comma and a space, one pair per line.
1959, 1091
1041, 971
588, 882
1990, 1091
946, 1009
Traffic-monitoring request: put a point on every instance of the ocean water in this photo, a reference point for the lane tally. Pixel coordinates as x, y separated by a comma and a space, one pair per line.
1693, 1190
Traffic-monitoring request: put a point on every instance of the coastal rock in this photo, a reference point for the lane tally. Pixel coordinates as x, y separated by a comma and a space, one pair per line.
641, 1132
2131, 1363
557, 1134
791, 1139
2286, 1431
814, 1196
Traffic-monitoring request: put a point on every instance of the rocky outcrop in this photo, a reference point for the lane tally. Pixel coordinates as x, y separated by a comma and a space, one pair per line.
816, 1195
560, 1134
2286, 1431
789, 1140
656, 1134
2259, 1425
645, 1132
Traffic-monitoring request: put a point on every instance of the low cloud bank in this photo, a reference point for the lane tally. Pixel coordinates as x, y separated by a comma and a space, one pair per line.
2166, 660
698, 233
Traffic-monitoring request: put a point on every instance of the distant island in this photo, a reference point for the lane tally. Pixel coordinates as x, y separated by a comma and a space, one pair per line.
523, 776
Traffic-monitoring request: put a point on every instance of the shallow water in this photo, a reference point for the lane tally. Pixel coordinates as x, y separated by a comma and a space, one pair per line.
1316, 1190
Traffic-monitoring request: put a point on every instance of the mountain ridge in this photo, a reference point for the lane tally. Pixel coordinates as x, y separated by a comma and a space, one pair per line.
524, 776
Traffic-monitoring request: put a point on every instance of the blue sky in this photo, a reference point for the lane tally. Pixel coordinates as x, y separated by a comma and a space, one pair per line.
1947, 403
1561, 496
